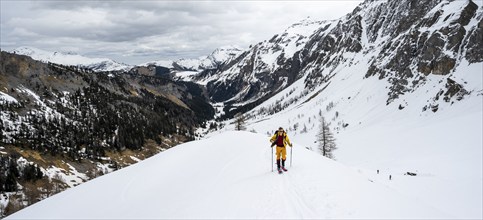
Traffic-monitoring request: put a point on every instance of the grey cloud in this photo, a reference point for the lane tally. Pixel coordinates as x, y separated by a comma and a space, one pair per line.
148, 29
194, 8
120, 24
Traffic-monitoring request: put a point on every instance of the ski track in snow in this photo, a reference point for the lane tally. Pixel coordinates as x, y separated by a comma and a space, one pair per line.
302, 208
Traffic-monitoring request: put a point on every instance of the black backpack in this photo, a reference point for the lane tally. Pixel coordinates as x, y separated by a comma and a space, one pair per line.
275, 142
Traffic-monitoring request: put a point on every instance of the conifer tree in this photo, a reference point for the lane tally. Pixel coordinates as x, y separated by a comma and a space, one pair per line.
240, 122
326, 139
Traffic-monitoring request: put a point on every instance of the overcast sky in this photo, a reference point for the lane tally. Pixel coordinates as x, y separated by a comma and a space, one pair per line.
138, 31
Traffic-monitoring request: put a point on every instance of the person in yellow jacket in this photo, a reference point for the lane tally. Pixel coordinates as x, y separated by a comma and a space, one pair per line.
280, 139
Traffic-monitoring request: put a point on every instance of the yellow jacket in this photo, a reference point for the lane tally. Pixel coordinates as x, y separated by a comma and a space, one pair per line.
286, 141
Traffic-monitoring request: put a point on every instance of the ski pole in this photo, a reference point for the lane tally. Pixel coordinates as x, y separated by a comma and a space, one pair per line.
291, 148
272, 157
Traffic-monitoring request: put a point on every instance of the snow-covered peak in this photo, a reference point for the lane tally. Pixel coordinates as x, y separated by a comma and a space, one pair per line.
222, 54
307, 22
163, 63
216, 58
71, 58
194, 64
259, 68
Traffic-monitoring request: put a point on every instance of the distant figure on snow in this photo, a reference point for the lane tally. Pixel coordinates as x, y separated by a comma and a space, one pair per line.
390, 177
280, 139
377, 171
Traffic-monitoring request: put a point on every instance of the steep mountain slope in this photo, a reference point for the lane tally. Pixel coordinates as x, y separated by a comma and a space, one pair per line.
96, 64
431, 126
443, 148
225, 184
405, 43
264, 69
63, 125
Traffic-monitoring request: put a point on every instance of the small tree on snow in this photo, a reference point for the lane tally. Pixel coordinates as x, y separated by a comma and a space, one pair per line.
304, 130
240, 122
326, 139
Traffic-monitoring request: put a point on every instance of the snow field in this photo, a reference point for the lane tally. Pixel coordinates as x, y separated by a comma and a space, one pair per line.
229, 176
444, 147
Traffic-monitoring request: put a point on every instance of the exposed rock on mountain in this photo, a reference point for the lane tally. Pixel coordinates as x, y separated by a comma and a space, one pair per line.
405, 42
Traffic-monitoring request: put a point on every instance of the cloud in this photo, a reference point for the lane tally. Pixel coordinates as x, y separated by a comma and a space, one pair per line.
139, 31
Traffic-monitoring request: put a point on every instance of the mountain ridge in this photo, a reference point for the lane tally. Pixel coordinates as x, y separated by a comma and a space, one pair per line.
70, 58
402, 58
212, 61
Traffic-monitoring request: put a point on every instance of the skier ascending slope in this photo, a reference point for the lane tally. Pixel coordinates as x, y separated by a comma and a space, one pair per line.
280, 139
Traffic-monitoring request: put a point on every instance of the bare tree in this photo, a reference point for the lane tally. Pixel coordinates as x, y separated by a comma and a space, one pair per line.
326, 139
240, 122
13, 204
304, 130
49, 188
295, 126
58, 183
32, 193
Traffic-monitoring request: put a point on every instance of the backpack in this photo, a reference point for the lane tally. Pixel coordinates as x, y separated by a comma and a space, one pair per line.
279, 140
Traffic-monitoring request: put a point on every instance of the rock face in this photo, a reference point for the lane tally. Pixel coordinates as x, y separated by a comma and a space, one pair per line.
264, 69
406, 42
431, 39
474, 53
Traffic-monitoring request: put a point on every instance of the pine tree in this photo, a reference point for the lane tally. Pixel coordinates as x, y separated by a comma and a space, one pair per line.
240, 122
326, 139
10, 183
2, 184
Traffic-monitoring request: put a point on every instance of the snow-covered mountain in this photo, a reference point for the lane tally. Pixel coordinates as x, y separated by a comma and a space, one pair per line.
96, 64
265, 68
403, 44
443, 147
400, 84
62, 125
212, 61
207, 179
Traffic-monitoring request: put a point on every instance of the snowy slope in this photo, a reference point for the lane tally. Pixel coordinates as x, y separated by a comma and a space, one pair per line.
426, 130
97, 64
222, 178
443, 146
